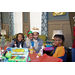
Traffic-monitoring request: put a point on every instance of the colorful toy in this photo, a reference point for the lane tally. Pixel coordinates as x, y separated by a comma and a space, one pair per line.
17, 55
49, 48
8, 55
49, 44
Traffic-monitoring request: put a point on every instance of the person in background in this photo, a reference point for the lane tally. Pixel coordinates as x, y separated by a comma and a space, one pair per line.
59, 51
18, 41
73, 46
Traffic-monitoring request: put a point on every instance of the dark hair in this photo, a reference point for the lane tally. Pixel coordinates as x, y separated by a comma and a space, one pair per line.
60, 36
17, 36
16, 39
30, 33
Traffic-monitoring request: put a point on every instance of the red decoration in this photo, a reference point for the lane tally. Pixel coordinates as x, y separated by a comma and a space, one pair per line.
28, 32
5, 48
73, 46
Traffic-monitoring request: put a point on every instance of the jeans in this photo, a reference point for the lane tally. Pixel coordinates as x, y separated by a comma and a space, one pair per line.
73, 54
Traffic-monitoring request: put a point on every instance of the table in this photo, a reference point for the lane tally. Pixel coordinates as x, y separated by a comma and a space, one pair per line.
44, 58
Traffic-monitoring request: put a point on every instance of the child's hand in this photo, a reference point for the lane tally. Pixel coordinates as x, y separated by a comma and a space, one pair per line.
29, 49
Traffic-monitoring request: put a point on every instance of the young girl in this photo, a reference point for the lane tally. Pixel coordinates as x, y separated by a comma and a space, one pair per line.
30, 42
18, 41
59, 51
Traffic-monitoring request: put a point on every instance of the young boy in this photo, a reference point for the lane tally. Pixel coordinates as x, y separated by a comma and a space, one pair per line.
37, 39
59, 51
30, 42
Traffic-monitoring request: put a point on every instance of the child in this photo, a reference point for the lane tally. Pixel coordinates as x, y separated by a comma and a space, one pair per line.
59, 51
18, 41
30, 42
39, 41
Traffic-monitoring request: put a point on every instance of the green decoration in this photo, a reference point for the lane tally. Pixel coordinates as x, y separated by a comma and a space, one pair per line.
3, 57
29, 59
30, 32
8, 55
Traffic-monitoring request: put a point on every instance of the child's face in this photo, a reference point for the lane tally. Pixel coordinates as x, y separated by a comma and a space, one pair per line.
35, 35
20, 37
31, 36
57, 41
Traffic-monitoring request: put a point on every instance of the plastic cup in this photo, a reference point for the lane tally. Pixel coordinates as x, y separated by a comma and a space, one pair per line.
31, 51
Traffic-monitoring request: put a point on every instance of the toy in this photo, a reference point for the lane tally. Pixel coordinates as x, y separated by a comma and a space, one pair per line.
40, 52
49, 44
48, 48
17, 55
8, 55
